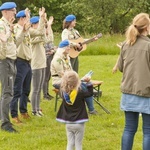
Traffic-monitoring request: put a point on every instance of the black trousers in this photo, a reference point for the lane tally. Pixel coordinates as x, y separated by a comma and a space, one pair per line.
47, 75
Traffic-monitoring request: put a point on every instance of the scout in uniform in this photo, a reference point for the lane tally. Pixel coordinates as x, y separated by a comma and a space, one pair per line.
23, 76
38, 62
60, 63
50, 50
7, 65
69, 33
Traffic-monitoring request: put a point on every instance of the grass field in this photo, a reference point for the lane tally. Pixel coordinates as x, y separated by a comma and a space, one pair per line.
102, 132
106, 45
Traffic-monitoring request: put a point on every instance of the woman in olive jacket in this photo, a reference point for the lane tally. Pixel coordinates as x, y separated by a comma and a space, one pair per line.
134, 62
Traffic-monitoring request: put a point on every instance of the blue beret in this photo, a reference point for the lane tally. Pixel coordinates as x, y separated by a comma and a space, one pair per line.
70, 18
63, 43
21, 14
34, 19
8, 5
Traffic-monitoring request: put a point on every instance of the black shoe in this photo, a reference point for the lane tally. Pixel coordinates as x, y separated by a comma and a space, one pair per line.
94, 112
8, 128
28, 100
50, 96
47, 98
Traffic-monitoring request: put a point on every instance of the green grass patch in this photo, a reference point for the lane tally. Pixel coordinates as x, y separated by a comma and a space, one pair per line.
106, 45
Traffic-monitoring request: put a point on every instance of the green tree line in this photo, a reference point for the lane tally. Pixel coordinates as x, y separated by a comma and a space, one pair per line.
93, 16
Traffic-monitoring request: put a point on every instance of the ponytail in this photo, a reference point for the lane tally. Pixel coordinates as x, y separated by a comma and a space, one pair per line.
131, 34
138, 26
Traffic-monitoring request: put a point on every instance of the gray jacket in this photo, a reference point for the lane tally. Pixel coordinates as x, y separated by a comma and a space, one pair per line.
134, 62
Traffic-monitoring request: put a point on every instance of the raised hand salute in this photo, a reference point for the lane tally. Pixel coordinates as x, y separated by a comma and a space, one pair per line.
27, 23
42, 13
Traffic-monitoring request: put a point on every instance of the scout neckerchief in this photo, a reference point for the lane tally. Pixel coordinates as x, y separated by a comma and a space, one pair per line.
70, 98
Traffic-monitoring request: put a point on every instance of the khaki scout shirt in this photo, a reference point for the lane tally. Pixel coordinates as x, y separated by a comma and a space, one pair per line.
3, 48
59, 65
7, 50
50, 36
38, 38
70, 34
23, 43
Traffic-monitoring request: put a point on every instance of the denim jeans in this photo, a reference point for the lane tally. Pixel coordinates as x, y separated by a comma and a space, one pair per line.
21, 87
131, 125
89, 102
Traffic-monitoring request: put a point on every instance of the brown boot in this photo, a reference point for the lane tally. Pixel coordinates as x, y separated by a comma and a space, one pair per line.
16, 120
25, 116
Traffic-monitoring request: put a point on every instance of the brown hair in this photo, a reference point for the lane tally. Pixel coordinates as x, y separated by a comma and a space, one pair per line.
66, 24
138, 26
70, 81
